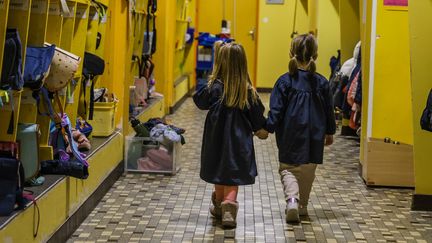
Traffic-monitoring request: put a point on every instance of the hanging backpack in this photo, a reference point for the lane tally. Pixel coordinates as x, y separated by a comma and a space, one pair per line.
11, 76
426, 118
37, 66
93, 67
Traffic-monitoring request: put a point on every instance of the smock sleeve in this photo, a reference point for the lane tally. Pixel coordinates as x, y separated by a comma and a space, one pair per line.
278, 103
207, 96
329, 110
256, 114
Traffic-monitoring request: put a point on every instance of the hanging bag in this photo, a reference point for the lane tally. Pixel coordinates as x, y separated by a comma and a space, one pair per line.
37, 66
11, 76
93, 67
426, 118
63, 68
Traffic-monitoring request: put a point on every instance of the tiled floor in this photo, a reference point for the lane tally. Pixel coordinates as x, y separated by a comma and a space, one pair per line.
157, 208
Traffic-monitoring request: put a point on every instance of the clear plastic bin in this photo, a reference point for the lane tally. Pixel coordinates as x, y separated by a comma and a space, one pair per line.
149, 156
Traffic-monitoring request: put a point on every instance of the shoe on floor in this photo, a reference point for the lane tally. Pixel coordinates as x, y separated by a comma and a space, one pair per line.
292, 211
215, 208
229, 214
303, 211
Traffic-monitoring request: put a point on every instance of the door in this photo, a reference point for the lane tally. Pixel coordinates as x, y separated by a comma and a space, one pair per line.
245, 31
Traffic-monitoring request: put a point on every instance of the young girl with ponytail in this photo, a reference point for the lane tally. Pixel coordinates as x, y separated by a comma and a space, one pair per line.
302, 116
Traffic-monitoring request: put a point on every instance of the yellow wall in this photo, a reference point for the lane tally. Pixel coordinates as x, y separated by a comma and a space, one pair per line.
164, 56
328, 34
275, 27
322, 17
421, 37
211, 14
392, 114
350, 27
118, 58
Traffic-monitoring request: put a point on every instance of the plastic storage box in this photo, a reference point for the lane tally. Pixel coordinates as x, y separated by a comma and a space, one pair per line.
147, 155
103, 119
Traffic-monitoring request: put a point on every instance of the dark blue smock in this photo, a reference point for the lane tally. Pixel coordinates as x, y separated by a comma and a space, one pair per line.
301, 113
228, 155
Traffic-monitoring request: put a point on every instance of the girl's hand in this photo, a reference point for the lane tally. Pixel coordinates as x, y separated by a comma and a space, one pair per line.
261, 134
328, 140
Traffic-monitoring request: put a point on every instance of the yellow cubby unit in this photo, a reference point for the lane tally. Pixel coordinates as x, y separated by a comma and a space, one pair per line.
28, 109
38, 22
92, 30
80, 32
68, 27
55, 23
36, 37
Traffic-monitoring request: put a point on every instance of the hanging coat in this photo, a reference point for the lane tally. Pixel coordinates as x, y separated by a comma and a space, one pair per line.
228, 155
301, 113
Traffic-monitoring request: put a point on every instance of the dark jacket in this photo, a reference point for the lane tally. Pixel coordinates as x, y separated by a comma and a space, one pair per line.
301, 113
228, 155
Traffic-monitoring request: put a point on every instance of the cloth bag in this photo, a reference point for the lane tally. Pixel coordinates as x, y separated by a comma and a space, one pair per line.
37, 66
63, 68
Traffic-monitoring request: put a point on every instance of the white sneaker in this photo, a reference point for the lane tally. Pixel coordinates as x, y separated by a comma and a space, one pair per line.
292, 211
303, 211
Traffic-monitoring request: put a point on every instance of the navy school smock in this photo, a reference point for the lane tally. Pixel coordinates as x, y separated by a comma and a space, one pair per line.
301, 113
228, 155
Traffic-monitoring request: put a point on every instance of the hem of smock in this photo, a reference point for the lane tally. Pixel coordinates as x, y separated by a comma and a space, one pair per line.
227, 184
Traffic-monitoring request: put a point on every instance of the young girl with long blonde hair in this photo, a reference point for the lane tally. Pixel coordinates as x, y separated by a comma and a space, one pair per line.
235, 113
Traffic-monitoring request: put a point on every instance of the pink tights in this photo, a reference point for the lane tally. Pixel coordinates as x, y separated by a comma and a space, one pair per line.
226, 193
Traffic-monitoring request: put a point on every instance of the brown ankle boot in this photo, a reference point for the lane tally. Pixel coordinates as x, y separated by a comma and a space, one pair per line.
229, 214
216, 209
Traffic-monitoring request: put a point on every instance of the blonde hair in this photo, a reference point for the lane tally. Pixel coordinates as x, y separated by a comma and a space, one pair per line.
217, 64
231, 68
304, 51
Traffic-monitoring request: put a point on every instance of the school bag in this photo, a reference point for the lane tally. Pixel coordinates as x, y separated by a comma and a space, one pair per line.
37, 66
28, 139
93, 66
426, 118
63, 68
11, 179
11, 76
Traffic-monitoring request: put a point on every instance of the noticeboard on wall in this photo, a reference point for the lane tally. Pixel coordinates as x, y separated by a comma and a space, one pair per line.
396, 4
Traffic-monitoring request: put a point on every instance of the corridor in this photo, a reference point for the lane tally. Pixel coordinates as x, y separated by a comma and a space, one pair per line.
157, 208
